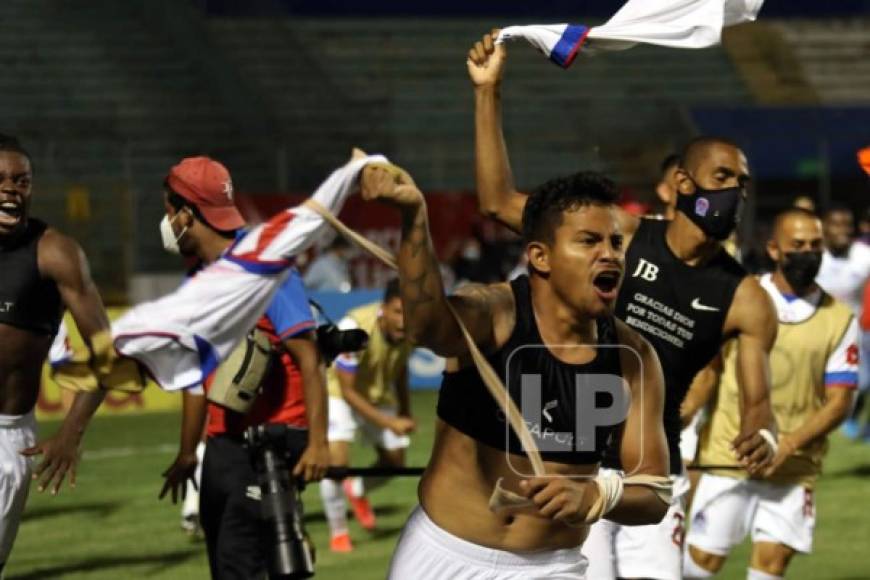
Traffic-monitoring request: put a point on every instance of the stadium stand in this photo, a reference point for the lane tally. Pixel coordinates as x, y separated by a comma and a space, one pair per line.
833, 55
114, 92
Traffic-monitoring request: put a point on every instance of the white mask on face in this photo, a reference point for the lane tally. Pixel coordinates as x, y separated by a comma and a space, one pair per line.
170, 241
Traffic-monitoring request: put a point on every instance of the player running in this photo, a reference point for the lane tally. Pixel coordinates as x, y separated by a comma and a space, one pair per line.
551, 325
814, 374
43, 273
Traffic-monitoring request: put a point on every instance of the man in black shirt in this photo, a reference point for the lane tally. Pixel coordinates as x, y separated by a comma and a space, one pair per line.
44, 272
546, 327
681, 291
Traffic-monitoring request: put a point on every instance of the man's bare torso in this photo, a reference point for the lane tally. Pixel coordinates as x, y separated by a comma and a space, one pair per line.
455, 493
21, 358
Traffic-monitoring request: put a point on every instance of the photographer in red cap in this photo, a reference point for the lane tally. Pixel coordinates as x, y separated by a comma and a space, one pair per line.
202, 222
205, 185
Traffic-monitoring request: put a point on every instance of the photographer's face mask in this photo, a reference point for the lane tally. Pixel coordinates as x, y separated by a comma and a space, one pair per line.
715, 211
167, 234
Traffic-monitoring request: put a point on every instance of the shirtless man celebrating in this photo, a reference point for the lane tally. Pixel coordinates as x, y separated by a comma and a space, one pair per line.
682, 292
43, 272
574, 247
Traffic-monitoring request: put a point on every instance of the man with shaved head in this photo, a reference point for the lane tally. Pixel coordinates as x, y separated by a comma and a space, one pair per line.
682, 292
814, 374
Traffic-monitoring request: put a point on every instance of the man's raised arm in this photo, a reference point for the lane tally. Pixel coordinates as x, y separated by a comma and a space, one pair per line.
496, 192
428, 320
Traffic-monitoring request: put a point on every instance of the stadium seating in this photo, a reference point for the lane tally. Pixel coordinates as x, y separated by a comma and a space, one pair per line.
114, 92
410, 75
833, 54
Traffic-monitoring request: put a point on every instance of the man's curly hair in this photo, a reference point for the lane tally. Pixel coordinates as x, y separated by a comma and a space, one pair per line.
543, 211
12, 144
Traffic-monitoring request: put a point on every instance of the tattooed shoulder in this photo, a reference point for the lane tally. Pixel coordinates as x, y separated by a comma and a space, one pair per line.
485, 294
496, 301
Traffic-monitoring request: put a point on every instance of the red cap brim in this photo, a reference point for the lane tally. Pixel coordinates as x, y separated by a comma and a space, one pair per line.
223, 218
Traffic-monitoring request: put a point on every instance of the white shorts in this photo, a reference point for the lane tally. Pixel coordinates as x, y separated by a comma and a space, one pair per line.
343, 425
426, 552
725, 509
654, 551
17, 432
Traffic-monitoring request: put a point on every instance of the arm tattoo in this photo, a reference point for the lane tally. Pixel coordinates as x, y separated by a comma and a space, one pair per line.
419, 273
428, 319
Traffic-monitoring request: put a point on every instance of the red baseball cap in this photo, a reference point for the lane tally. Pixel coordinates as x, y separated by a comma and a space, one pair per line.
206, 183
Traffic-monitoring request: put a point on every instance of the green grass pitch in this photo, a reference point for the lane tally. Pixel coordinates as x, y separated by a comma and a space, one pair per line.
112, 526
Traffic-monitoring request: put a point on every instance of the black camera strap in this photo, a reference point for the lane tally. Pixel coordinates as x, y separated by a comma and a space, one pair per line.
322, 312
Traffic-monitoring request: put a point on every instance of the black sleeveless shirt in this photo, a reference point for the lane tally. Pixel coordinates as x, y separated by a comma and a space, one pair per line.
27, 300
557, 394
680, 310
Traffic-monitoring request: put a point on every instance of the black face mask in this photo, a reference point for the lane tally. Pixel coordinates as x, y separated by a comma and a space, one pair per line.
800, 269
715, 211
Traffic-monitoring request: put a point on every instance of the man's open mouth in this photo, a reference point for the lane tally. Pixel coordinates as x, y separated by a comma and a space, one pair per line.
607, 284
10, 213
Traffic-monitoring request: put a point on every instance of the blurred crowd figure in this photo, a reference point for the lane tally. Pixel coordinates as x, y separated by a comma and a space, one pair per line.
805, 202
330, 271
844, 274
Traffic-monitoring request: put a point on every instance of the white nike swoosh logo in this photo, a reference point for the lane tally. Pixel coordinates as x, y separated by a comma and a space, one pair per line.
547, 407
696, 304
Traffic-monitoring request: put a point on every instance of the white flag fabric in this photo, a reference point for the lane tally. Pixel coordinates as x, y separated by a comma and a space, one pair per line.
60, 352
182, 337
673, 23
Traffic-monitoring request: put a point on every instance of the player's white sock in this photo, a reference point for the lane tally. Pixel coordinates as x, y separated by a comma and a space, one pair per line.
691, 569
754, 574
356, 486
334, 505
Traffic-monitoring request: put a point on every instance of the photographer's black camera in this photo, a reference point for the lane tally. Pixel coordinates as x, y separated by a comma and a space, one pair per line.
275, 449
332, 341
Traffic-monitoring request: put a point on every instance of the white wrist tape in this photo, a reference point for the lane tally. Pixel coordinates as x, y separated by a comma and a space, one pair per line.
612, 486
610, 489
771, 440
